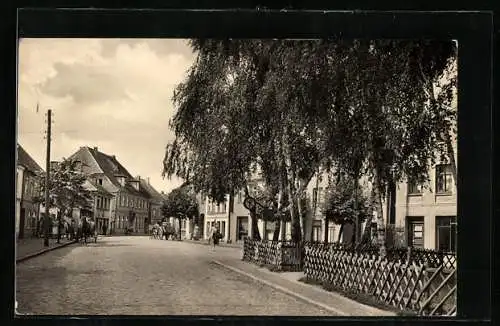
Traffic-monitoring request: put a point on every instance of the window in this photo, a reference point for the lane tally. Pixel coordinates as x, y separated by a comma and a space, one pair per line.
414, 188
239, 197
444, 179
446, 233
415, 231
316, 236
99, 182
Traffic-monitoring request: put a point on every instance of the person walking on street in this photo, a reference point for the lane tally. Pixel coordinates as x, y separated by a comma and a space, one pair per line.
216, 236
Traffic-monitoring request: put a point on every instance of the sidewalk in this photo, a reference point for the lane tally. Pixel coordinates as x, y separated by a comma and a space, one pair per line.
26, 248
221, 244
289, 283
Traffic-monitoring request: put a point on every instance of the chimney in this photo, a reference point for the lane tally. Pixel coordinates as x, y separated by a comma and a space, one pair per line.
148, 180
96, 149
138, 177
114, 157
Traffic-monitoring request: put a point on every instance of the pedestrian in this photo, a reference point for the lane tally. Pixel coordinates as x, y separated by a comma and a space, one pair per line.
216, 236
210, 235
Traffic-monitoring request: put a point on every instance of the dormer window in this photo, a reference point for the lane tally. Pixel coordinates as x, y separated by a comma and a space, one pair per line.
135, 184
121, 180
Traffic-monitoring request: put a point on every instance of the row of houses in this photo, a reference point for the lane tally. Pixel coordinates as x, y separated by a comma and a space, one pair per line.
120, 201
422, 216
418, 216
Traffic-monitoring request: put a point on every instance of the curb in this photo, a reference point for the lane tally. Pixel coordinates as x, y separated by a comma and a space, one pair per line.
284, 290
41, 252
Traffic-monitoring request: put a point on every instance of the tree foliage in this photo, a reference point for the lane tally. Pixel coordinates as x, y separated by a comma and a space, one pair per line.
343, 202
180, 204
291, 107
66, 187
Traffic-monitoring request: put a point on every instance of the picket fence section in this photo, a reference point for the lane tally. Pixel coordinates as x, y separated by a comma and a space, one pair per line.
423, 281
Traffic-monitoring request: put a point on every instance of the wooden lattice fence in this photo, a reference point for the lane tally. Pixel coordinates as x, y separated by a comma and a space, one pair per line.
276, 255
405, 282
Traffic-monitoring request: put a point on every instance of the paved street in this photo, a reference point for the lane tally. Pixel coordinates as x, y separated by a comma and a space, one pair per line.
136, 275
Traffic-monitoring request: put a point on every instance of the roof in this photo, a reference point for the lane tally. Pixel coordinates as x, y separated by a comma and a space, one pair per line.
153, 193
24, 159
112, 168
97, 188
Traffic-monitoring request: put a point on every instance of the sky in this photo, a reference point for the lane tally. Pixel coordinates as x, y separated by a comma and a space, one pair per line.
114, 94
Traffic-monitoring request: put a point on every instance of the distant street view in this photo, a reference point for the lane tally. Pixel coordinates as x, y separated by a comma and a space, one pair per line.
236, 177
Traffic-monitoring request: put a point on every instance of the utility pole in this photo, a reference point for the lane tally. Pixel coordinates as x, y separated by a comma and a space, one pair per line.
47, 178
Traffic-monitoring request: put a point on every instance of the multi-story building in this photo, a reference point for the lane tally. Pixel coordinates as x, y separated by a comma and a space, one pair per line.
27, 210
101, 206
230, 217
155, 202
129, 201
217, 215
426, 215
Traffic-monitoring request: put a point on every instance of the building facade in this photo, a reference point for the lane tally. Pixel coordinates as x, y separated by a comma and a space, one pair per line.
27, 210
129, 202
155, 202
217, 215
101, 206
426, 215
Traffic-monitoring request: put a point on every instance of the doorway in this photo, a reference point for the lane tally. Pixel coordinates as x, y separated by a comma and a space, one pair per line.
415, 231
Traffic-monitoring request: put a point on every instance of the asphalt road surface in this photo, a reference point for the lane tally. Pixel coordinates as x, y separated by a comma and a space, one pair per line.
141, 276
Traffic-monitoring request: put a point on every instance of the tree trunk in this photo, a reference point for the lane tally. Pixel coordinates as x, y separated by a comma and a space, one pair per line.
366, 231
301, 217
380, 212
265, 230
326, 230
283, 230
281, 222
290, 182
340, 232
255, 226
302, 210
277, 229
254, 234
296, 231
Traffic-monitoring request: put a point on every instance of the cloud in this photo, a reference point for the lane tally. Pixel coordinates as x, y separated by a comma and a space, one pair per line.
111, 93
84, 84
